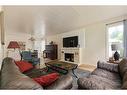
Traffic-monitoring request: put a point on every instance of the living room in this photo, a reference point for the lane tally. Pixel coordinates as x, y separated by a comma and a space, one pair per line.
85, 28
88, 38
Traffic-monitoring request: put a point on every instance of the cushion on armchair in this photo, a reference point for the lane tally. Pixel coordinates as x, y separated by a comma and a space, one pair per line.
107, 66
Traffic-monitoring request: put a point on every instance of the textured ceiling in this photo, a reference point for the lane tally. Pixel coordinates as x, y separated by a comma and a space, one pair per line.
56, 19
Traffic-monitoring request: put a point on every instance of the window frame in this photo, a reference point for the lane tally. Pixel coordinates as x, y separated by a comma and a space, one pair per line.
107, 36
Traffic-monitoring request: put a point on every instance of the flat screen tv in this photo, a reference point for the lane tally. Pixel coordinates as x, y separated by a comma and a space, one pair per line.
70, 41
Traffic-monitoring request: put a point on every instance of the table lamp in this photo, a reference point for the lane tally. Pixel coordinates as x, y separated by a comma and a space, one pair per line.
115, 47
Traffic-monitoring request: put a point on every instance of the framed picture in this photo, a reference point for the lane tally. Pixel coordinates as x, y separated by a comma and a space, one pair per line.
22, 45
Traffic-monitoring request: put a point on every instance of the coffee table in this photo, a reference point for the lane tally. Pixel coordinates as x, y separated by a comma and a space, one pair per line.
62, 67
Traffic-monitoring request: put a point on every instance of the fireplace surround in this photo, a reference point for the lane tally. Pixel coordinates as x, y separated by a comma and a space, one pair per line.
71, 55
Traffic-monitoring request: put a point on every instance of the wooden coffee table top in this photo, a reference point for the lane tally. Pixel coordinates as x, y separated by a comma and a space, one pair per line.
61, 64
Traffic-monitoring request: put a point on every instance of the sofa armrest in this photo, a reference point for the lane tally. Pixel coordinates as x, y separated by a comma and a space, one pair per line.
64, 82
12, 78
107, 66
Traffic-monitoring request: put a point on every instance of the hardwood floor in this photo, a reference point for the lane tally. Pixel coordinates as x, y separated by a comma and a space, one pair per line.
87, 67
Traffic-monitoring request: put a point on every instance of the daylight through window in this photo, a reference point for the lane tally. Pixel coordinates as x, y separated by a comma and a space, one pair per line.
115, 39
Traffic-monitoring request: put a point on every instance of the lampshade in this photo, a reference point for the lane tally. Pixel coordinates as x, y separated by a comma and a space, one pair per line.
115, 46
13, 44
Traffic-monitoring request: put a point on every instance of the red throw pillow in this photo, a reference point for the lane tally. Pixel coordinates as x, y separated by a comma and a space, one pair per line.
24, 65
47, 79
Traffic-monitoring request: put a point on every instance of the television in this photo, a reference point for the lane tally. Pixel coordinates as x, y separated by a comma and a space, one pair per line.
70, 41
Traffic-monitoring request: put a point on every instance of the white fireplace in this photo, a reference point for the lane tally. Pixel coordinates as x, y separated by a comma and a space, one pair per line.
71, 55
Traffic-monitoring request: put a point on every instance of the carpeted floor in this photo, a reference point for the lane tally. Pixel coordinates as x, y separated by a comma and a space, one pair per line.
80, 73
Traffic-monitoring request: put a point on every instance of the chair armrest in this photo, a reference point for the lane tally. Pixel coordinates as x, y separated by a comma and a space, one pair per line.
107, 66
35, 59
64, 82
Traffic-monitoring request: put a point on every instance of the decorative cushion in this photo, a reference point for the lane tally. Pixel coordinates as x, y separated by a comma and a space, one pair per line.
24, 65
122, 67
107, 66
47, 79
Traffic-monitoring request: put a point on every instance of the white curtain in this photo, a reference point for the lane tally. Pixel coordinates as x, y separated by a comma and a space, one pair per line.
125, 38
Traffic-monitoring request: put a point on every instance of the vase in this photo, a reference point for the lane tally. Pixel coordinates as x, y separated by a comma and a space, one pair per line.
116, 56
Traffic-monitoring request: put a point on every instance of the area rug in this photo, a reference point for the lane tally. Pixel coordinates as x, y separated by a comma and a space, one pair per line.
80, 74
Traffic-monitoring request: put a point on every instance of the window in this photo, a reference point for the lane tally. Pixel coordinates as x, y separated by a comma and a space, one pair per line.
115, 38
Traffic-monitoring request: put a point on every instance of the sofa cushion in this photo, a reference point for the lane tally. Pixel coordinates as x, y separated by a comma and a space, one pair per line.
24, 65
97, 82
47, 79
107, 74
122, 67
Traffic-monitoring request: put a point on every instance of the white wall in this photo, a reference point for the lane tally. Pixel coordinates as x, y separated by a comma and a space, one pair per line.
95, 41
92, 41
78, 32
0, 41
58, 39
95, 44
17, 36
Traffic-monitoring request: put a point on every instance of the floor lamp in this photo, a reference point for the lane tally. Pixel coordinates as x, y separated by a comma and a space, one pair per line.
13, 45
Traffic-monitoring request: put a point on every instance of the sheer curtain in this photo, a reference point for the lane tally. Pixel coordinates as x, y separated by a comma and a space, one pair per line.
125, 38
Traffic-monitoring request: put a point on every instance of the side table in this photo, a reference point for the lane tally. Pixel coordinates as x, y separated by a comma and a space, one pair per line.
113, 61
